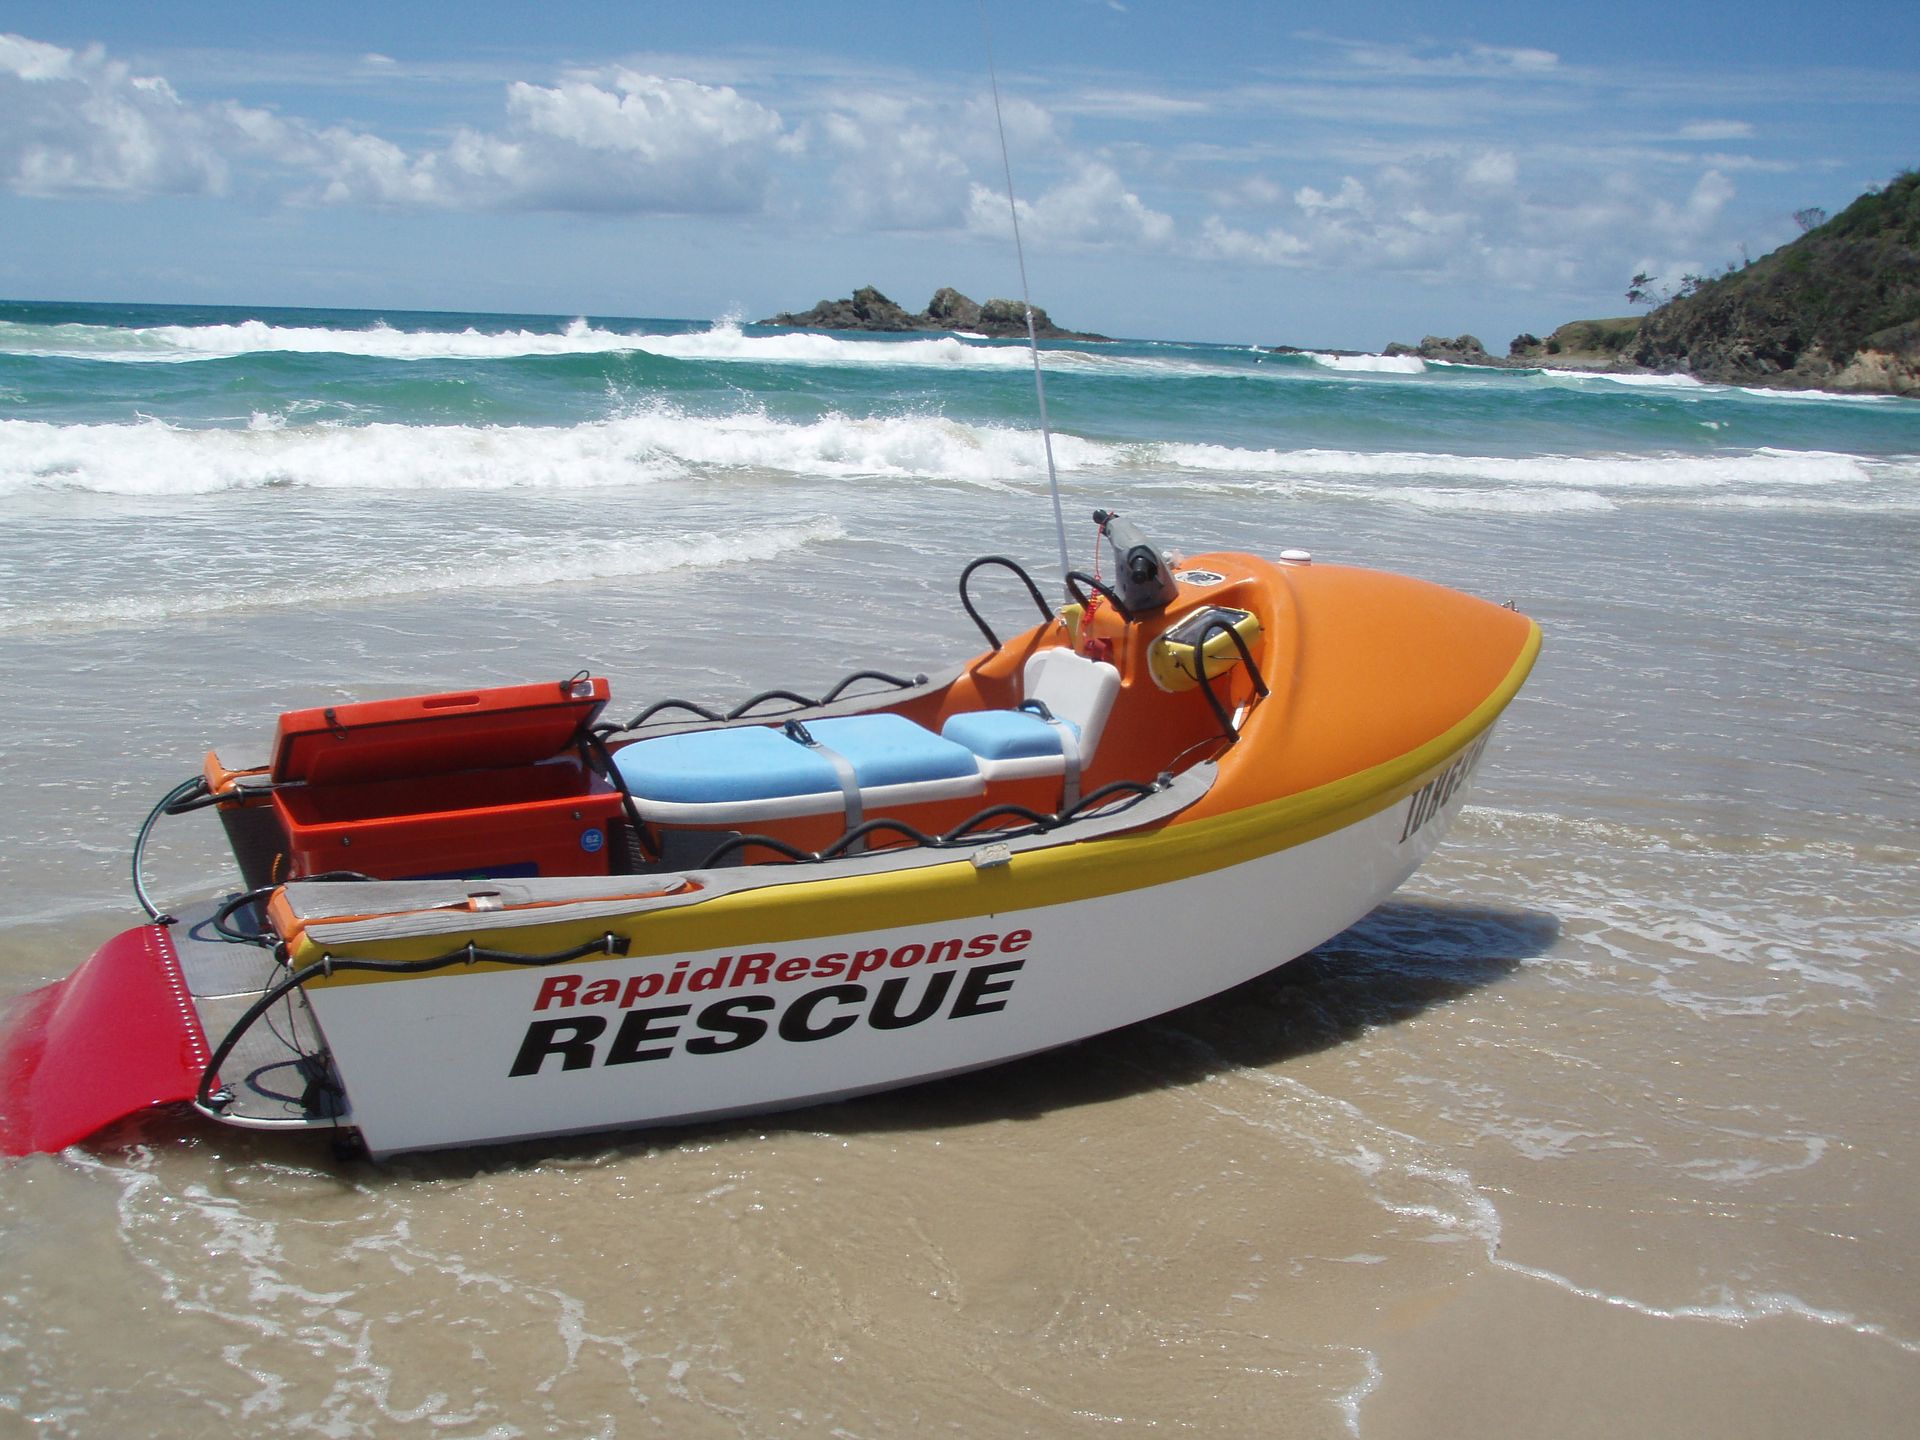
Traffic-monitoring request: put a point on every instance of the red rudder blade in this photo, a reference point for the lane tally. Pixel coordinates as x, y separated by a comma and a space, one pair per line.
114, 1037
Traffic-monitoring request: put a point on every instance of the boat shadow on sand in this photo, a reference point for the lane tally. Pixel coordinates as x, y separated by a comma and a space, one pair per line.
1401, 960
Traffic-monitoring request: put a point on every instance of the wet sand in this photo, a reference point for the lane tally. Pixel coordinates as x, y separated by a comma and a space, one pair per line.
1602, 1126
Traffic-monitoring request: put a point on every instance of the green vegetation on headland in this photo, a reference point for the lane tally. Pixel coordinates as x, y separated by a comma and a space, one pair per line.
868, 309
1836, 309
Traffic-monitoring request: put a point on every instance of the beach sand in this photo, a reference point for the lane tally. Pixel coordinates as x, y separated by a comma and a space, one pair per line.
1602, 1126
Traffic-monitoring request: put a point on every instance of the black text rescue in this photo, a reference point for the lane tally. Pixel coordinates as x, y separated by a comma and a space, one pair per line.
652, 1032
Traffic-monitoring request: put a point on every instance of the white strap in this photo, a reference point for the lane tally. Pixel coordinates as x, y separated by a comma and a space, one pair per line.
850, 802
1070, 756
1069, 751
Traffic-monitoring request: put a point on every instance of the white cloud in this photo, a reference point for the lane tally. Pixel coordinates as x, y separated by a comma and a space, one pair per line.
1254, 192
1438, 61
1447, 162
1471, 218
1093, 206
78, 123
893, 166
1512, 57
362, 167
1716, 130
33, 60
1492, 170
1030, 128
1132, 105
1701, 208
1351, 196
619, 141
1220, 241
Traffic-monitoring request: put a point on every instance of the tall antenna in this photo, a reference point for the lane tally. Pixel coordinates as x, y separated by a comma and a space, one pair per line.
1026, 302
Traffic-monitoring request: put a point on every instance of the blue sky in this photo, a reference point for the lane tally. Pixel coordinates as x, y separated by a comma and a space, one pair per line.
1246, 172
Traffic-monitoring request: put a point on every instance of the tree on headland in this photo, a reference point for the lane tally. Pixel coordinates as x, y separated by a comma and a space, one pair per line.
1837, 307
1640, 289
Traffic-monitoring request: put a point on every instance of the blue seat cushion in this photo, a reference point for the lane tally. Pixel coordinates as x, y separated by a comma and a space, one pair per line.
757, 762
1005, 734
892, 750
706, 766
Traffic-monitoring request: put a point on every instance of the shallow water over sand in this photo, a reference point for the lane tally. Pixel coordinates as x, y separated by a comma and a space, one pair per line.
1602, 1126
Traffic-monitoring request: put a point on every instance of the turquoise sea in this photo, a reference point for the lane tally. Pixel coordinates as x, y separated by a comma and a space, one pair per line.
1602, 1126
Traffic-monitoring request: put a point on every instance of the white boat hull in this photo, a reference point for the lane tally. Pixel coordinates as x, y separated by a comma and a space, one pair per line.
461, 1058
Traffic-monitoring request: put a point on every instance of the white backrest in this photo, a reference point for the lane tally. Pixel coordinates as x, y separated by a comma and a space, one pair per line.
1074, 688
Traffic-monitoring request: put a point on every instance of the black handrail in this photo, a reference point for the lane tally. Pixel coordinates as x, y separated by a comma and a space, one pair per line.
654, 709
893, 680
795, 701
850, 839
1105, 590
966, 600
740, 842
958, 836
748, 706
1035, 820
1214, 625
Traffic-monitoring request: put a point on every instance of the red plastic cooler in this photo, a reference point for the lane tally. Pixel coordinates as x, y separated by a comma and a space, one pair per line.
473, 783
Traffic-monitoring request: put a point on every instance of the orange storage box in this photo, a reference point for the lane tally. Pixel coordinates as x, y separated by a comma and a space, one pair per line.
472, 783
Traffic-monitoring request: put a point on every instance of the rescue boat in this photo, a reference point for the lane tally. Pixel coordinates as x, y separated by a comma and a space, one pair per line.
483, 916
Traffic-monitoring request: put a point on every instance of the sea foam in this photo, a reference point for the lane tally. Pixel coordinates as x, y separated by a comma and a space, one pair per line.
659, 442
1372, 364
588, 558
724, 341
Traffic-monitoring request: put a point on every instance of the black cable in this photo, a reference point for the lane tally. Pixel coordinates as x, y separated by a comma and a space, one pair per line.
173, 797
1139, 789
740, 842
213, 797
850, 838
799, 702
796, 700
894, 680
1035, 821
659, 705
239, 902
595, 743
470, 954
960, 835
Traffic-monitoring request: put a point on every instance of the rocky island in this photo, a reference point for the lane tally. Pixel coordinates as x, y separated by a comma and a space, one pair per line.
868, 309
1836, 309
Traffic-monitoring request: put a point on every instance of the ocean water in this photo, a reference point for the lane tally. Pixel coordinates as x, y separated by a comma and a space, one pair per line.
1603, 1125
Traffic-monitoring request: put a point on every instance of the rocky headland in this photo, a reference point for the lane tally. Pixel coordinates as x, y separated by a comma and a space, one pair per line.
868, 309
1606, 346
1836, 309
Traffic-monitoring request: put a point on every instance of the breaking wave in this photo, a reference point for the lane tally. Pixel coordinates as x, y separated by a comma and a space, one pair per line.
663, 442
725, 340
